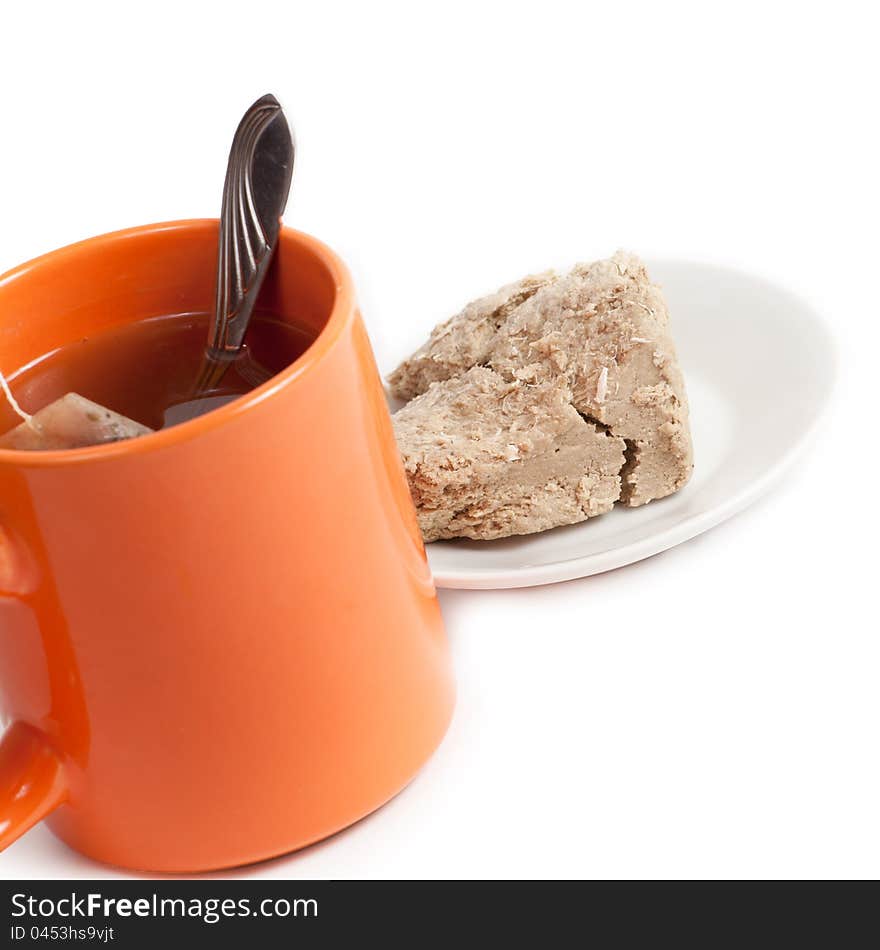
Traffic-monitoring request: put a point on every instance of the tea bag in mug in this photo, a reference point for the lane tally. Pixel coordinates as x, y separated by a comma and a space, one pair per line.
71, 422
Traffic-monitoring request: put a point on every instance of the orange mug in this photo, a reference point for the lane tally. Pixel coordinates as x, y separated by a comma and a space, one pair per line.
219, 642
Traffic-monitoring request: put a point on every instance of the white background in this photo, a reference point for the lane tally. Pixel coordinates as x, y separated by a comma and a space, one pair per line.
712, 711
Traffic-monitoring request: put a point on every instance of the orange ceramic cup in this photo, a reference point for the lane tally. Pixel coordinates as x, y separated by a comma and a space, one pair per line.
219, 642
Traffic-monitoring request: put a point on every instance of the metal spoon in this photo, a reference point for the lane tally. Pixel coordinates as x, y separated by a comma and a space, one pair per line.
258, 177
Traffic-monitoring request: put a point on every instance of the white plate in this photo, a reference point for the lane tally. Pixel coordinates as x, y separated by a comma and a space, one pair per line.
759, 366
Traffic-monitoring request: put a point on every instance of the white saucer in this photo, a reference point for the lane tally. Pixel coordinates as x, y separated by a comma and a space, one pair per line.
759, 366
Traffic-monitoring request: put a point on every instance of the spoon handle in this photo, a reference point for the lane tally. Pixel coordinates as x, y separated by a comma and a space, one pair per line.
255, 193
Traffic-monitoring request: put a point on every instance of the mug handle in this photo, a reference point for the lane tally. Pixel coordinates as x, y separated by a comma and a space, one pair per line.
32, 774
32, 781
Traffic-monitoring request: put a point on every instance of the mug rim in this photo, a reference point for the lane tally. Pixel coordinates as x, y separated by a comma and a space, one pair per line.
341, 314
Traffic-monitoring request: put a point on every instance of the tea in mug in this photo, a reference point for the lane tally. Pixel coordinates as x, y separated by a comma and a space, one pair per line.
138, 377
